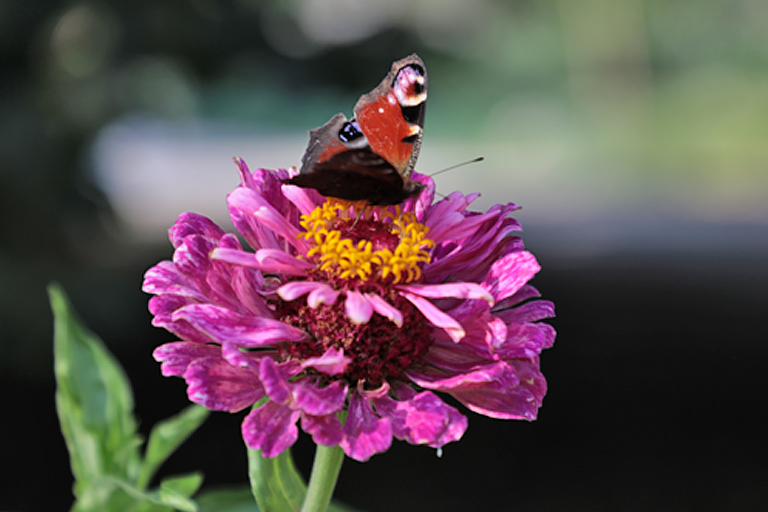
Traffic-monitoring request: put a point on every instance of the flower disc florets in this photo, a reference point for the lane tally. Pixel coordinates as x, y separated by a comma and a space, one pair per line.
347, 308
384, 246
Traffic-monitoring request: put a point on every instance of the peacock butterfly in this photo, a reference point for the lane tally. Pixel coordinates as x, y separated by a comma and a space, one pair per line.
371, 156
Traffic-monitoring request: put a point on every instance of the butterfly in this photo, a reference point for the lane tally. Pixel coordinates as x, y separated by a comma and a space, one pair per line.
371, 156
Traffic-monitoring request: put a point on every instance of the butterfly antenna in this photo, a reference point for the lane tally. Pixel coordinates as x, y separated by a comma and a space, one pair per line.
474, 160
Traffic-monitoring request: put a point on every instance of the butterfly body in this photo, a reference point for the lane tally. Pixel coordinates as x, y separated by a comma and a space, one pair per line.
370, 157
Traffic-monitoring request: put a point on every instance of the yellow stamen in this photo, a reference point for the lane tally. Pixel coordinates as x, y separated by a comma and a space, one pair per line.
338, 255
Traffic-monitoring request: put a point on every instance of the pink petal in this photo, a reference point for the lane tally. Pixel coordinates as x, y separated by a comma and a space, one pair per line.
365, 434
319, 293
516, 394
443, 225
163, 307
455, 290
266, 260
475, 251
222, 325
423, 201
193, 224
438, 212
322, 295
275, 383
358, 309
385, 309
318, 401
510, 273
332, 362
166, 278
423, 419
528, 312
483, 329
525, 341
177, 356
436, 316
456, 358
235, 257
273, 260
248, 285
191, 258
304, 199
456, 225
525, 292
450, 383
325, 430
243, 170
219, 386
249, 202
236, 357
271, 428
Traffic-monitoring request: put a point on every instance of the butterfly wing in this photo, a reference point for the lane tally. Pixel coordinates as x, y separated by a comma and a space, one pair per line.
392, 115
371, 157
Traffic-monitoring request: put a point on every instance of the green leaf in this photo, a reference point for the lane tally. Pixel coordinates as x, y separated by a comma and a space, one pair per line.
176, 490
165, 437
227, 500
94, 402
173, 494
275, 483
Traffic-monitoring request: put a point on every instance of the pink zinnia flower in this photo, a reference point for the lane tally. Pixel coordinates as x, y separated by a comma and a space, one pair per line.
350, 318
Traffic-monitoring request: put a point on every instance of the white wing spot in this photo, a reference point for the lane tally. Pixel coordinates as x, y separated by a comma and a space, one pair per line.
381, 110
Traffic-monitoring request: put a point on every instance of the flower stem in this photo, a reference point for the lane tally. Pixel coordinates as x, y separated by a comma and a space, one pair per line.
322, 481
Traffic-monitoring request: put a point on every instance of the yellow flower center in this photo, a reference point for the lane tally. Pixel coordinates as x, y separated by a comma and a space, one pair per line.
348, 245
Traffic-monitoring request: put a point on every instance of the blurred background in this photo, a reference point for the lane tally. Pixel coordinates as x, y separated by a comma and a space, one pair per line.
633, 133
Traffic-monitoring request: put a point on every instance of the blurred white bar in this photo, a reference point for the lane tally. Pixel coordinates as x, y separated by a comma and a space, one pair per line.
153, 171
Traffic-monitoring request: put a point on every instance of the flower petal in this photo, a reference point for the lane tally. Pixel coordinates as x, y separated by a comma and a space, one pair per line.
275, 382
455, 290
385, 309
163, 307
332, 362
525, 292
319, 293
219, 386
365, 434
266, 260
510, 273
475, 253
177, 356
525, 341
193, 224
436, 316
449, 383
166, 278
322, 295
304, 199
325, 430
358, 308
249, 202
423, 418
248, 285
235, 257
317, 401
222, 325
271, 428
528, 312
516, 394
273, 260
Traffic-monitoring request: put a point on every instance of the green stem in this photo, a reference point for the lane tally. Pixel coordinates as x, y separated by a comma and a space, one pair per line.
322, 481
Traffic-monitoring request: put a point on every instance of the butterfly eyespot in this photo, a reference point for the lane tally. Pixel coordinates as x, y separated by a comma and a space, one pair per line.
349, 132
